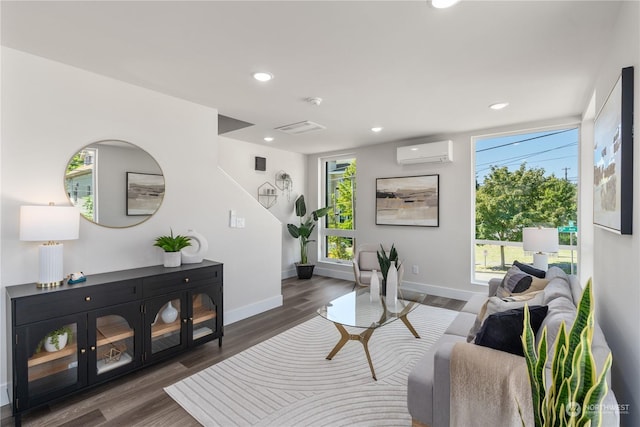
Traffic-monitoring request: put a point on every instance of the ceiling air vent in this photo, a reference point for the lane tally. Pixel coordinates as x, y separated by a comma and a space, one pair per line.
300, 128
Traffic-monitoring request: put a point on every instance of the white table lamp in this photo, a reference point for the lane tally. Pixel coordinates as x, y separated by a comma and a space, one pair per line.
540, 241
48, 224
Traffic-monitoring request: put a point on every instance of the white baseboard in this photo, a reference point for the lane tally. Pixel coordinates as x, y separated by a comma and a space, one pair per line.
289, 273
336, 274
438, 291
233, 316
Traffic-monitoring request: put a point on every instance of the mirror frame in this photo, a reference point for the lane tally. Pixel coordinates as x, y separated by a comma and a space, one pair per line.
119, 180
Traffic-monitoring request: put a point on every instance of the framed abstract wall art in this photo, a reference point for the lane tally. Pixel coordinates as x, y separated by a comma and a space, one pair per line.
613, 158
408, 200
144, 193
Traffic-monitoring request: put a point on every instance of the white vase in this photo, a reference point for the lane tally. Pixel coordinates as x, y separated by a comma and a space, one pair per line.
62, 343
374, 287
172, 259
392, 285
199, 246
169, 314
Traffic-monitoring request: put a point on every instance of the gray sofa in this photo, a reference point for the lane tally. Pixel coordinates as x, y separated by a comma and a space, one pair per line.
429, 382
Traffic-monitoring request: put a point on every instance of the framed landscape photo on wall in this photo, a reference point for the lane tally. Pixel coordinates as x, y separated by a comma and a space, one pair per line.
408, 200
144, 193
613, 158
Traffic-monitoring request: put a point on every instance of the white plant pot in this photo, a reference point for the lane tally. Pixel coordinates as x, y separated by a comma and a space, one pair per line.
62, 343
172, 259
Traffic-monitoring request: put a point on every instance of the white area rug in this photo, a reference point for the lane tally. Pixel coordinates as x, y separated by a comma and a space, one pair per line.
286, 380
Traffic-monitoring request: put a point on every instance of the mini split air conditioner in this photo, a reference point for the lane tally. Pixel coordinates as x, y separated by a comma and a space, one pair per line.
433, 152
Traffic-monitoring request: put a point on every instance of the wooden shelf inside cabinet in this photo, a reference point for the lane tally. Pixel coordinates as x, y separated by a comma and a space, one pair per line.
202, 314
164, 328
113, 332
46, 357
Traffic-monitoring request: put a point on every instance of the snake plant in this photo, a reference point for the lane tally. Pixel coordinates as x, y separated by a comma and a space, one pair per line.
385, 262
575, 395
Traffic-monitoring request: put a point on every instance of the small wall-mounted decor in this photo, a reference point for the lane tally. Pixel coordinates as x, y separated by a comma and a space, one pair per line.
409, 200
284, 183
144, 193
267, 195
613, 158
261, 163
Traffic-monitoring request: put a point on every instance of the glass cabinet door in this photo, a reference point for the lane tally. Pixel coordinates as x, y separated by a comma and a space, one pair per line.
165, 318
204, 321
55, 357
116, 345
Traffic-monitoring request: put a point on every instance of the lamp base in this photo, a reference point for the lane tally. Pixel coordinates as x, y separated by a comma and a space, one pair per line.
541, 261
51, 272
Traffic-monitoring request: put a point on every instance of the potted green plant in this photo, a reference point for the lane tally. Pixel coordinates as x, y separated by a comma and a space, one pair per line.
303, 231
171, 245
385, 262
575, 394
55, 340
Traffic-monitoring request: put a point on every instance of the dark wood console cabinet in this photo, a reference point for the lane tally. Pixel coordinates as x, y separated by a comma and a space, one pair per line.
113, 324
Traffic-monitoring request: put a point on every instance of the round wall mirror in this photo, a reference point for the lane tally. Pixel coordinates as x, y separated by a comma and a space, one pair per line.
114, 183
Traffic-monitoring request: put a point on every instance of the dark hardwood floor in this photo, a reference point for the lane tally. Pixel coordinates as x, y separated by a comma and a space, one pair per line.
138, 399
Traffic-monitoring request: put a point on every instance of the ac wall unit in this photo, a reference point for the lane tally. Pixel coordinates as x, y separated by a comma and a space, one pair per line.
432, 152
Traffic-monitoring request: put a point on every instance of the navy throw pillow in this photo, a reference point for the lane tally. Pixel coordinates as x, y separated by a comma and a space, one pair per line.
502, 331
530, 270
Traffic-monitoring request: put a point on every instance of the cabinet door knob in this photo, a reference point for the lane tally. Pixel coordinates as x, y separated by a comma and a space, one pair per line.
93, 348
186, 280
87, 298
83, 351
191, 319
184, 320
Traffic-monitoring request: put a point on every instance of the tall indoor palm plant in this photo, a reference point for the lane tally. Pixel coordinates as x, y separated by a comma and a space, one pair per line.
303, 231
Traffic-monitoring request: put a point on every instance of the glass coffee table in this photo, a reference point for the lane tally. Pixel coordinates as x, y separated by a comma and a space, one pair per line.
361, 309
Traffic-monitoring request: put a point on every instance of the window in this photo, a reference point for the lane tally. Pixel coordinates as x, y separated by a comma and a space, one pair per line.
80, 178
338, 233
524, 180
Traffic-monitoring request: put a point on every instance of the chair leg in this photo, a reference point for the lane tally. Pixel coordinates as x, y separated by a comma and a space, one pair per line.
354, 286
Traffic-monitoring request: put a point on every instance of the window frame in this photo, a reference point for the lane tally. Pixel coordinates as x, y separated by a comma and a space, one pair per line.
474, 139
323, 230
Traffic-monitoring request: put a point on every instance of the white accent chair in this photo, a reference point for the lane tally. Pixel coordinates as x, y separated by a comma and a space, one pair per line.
365, 260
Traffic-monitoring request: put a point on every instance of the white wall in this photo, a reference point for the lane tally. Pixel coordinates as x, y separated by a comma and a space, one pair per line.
616, 275
51, 110
237, 159
442, 254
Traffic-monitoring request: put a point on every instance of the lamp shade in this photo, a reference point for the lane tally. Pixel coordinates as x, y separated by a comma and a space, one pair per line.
538, 239
49, 223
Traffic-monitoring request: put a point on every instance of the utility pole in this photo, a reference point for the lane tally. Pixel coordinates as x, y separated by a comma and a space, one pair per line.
565, 173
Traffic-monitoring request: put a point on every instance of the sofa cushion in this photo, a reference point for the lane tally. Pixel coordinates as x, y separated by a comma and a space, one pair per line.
537, 284
535, 272
461, 324
475, 303
368, 261
496, 305
511, 280
502, 331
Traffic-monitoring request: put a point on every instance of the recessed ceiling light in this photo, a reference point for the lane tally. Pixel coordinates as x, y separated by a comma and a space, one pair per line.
443, 4
262, 76
498, 105
376, 129
268, 139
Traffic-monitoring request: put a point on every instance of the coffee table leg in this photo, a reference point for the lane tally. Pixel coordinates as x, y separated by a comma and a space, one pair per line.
344, 337
363, 338
409, 326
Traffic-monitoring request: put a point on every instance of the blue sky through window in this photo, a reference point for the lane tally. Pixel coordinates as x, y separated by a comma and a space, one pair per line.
555, 151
